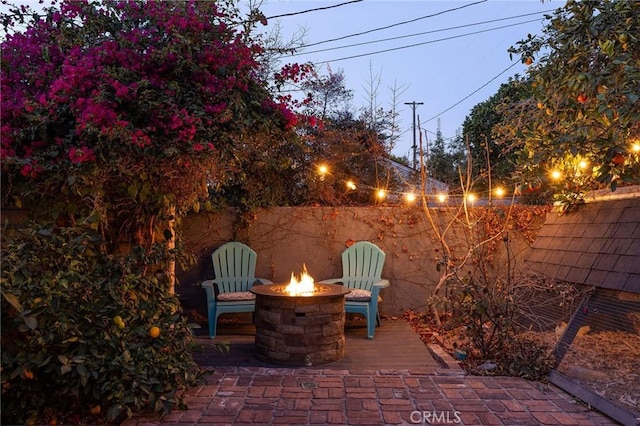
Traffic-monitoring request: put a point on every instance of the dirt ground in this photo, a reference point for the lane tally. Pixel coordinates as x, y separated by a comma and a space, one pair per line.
607, 363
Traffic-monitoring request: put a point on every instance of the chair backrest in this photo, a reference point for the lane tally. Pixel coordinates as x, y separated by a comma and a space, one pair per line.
234, 267
362, 265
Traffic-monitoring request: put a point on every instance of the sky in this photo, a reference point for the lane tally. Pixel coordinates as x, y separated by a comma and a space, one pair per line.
450, 70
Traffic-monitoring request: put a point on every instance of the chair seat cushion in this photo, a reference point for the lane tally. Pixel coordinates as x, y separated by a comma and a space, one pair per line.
358, 295
235, 296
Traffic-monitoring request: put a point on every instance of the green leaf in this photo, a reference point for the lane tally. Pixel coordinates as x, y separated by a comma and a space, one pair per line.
81, 370
114, 412
132, 190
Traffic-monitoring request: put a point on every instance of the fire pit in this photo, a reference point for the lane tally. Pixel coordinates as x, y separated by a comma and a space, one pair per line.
300, 323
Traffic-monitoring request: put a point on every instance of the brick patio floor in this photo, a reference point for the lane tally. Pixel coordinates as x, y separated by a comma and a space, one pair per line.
257, 395
393, 379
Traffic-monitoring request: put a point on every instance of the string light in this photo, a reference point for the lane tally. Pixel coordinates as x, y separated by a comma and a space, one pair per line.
410, 197
635, 147
583, 164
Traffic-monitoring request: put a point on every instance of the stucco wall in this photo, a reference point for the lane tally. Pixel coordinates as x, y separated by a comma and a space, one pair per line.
286, 238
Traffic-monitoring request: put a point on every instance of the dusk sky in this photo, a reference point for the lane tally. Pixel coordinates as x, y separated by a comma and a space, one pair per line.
458, 61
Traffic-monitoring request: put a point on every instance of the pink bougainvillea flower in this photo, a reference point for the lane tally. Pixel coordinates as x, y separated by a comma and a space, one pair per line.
81, 155
26, 170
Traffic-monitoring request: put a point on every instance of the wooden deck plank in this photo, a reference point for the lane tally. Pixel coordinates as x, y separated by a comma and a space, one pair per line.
395, 346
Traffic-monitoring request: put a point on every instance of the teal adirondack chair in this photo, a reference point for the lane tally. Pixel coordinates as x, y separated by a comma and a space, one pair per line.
362, 265
234, 267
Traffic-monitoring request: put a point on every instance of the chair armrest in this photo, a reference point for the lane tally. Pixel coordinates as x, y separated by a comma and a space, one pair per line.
210, 289
382, 284
377, 286
331, 281
263, 281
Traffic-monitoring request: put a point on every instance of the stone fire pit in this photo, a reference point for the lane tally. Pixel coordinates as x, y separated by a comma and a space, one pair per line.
301, 330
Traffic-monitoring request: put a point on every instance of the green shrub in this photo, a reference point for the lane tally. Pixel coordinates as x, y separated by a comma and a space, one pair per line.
75, 330
486, 316
485, 338
528, 358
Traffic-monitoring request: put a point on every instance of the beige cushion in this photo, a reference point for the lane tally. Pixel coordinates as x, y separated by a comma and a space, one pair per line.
358, 295
235, 296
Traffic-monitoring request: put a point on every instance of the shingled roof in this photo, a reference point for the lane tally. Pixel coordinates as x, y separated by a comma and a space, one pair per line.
598, 244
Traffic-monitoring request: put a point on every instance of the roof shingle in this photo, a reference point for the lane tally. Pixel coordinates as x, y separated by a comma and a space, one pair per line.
598, 244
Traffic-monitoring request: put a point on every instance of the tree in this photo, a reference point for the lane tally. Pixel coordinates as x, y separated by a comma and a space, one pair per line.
489, 154
442, 163
329, 93
353, 147
584, 117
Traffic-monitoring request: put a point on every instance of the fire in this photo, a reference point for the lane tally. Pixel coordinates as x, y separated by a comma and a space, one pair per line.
303, 286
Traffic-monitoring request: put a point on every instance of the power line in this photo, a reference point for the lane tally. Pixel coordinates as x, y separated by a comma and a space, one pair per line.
312, 10
418, 34
425, 42
474, 92
393, 25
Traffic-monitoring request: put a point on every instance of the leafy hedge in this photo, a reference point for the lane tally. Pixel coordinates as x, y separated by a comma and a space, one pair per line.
76, 330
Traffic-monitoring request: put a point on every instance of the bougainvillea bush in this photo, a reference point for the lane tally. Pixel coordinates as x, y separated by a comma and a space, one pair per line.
127, 107
119, 117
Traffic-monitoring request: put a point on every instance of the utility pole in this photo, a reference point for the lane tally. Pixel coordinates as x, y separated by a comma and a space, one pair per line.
414, 147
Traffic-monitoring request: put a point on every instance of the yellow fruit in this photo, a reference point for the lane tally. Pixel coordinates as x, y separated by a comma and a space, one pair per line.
154, 332
117, 319
121, 325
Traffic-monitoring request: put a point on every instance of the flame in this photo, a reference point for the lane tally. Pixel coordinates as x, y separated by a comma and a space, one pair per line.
303, 286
